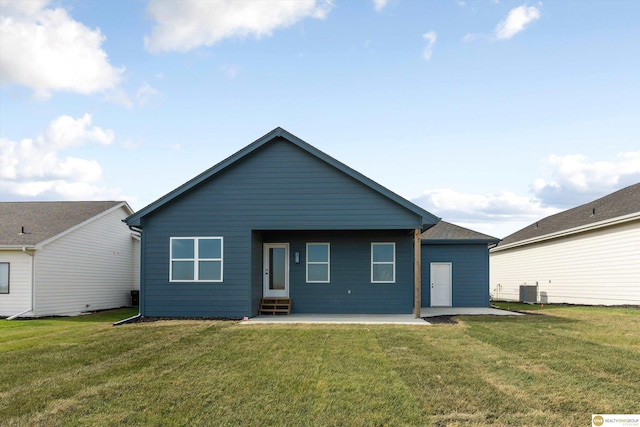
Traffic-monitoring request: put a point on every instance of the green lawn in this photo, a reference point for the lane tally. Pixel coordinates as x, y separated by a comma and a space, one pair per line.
553, 368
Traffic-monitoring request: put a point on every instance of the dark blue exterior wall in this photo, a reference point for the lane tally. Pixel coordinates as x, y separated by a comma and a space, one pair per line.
277, 187
470, 273
350, 289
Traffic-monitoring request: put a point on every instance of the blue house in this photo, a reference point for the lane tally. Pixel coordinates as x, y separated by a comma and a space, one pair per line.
281, 226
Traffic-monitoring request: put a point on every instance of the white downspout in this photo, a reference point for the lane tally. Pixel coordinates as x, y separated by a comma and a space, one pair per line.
33, 286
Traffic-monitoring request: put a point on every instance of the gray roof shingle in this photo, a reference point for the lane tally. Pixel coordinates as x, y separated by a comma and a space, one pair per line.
43, 220
622, 202
446, 231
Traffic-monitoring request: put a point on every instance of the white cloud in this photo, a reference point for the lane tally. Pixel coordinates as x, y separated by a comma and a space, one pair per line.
65, 131
430, 37
378, 5
33, 168
464, 206
574, 179
516, 21
230, 70
495, 214
61, 190
187, 24
120, 97
145, 93
46, 50
131, 144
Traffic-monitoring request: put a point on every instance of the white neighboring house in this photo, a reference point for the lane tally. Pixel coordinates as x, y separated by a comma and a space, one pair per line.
65, 258
586, 255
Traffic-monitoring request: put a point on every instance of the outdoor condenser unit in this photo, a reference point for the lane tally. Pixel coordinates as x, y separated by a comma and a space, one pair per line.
529, 294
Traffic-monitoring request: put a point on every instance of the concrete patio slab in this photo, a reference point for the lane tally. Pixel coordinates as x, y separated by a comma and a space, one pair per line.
378, 319
364, 319
465, 311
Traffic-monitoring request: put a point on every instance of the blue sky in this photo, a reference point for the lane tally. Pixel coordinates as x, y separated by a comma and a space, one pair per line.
490, 114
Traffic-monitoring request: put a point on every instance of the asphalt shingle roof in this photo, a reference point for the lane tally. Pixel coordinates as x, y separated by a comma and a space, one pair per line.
446, 231
43, 220
617, 204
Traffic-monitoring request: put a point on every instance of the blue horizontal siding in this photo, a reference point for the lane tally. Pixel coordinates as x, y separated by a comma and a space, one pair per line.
282, 187
350, 271
187, 299
470, 273
277, 187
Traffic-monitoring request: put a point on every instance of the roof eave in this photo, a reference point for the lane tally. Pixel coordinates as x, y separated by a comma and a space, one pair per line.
124, 205
135, 219
575, 230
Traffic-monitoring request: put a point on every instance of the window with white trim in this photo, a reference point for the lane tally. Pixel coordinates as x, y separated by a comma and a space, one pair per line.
196, 259
318, 262
4, 277
383, 262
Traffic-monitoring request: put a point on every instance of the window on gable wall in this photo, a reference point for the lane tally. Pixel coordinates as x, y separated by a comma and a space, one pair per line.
196, 259
318, 263
383, 262
4, 277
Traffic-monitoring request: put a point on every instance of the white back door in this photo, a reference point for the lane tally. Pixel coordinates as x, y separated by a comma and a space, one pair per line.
440, 284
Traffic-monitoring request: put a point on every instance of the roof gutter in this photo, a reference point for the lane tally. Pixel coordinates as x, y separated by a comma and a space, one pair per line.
493, 244
460, 241
33, 285
134, 228
17, 248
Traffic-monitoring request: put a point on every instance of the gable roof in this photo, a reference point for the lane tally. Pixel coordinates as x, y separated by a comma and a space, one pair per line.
445, 232
619, 206
135, 219
45, 221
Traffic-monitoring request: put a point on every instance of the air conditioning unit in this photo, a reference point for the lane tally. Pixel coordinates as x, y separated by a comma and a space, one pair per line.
529, 294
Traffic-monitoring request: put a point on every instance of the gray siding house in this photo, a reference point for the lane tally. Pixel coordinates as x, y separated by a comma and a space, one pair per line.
282, 220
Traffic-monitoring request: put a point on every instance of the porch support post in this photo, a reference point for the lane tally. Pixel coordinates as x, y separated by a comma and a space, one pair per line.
417, 272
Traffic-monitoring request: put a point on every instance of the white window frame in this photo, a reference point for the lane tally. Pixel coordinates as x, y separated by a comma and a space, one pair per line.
196, 259
327, 263
8, 278
392, 263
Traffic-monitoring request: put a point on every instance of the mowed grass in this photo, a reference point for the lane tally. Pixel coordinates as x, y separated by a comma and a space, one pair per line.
556, 367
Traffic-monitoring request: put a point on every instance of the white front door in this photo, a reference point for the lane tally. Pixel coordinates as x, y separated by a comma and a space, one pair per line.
276, 270
440, 284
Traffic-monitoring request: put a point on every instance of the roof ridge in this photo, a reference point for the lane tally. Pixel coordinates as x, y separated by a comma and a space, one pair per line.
279, 132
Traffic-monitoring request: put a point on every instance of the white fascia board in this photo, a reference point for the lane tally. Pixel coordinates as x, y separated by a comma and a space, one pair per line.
600, 224
124, 205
